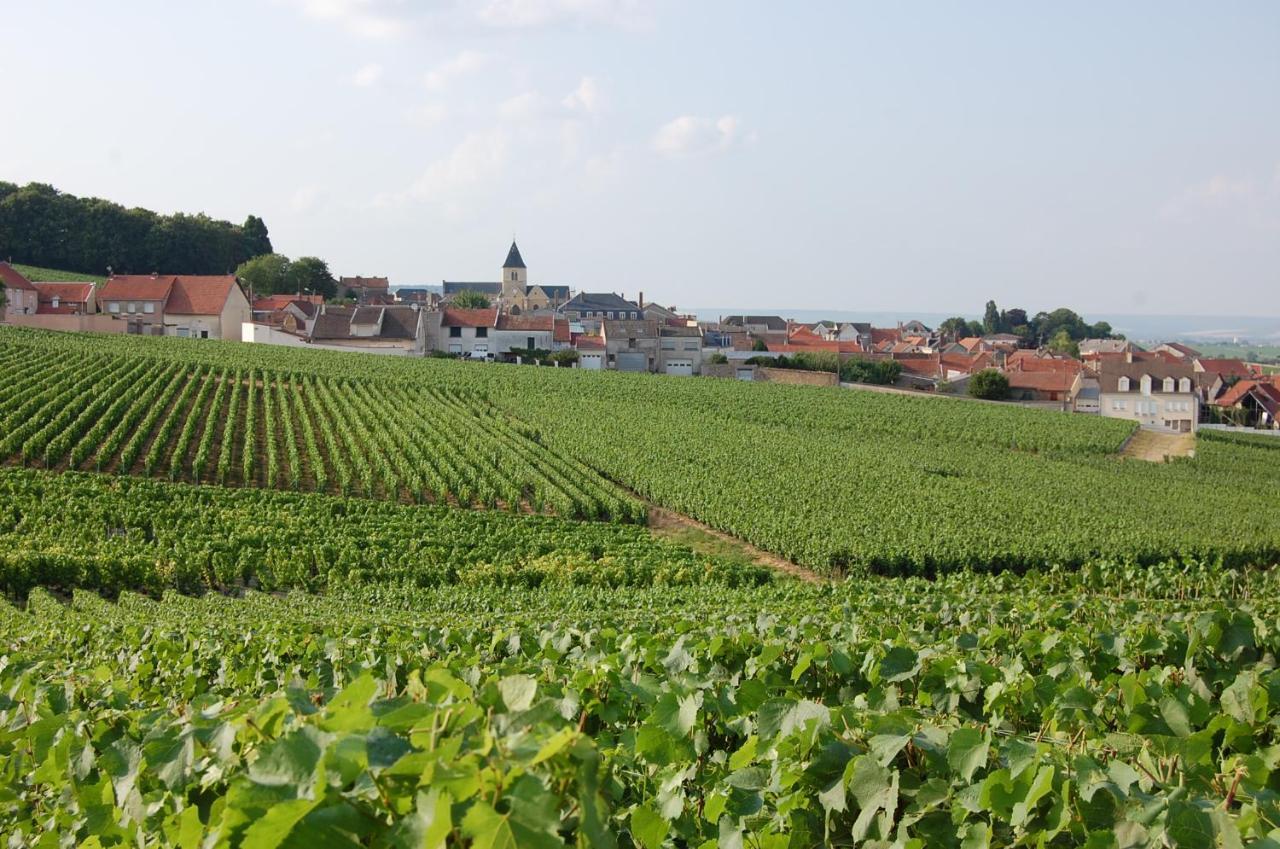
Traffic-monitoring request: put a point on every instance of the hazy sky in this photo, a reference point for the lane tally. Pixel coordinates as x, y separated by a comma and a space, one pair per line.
1114, 157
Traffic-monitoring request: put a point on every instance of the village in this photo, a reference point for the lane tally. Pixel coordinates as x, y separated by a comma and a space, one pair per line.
1169, 387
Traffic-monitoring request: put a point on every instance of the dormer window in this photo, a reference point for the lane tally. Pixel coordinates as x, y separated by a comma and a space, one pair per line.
1123, 385
1168, 384
1146, 384
55, 302
1184, 385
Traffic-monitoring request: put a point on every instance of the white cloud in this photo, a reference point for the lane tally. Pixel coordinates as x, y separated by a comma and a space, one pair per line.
478, 160
368, 75
519, 14
522, 107
691, 135
584, 98
364, 18
1217, 193
306, 198
466, 62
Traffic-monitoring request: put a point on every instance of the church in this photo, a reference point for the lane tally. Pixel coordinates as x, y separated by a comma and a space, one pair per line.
513, 294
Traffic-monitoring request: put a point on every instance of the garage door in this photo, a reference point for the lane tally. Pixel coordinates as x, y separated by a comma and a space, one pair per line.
591, 361
680, 367
746, 374
632, 361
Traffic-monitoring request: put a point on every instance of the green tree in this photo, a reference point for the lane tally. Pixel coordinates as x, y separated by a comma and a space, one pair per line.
468, 299
254, 237
267, 274
955, 328
309, 274
991, 318
1062, 343
718, 359
759, 345
990, 385
862, 370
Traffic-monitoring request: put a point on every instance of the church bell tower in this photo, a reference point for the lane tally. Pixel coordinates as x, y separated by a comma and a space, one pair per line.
514, 279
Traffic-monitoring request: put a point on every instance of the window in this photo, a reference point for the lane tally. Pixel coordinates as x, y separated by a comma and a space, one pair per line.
455, 332
133, 307
113, 307
482, 333
148, 308
634, 316
204, 334
56, 301
183, 332
1168, 384
530, 344
1124, 384
1184, 385
691, 345
668, 344
1146, 384
513, 275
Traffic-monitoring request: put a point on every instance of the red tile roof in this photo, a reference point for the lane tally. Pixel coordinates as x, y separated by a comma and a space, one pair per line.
279, 302
136, 287
457, 317
1226, 368
205, 295
1041, 381
12, 278
589, 342
880, 335
1262, 389
74, 292
560, 331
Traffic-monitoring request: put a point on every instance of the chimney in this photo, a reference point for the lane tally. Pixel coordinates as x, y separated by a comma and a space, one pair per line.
641, 300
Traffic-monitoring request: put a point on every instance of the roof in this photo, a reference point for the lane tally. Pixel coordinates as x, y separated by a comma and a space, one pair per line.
1265, 393
591, 342
514, 260
199, 295
772, 322
1110, 372
631, 329
967, 363
884, 334
560, 293
76, 292
1185, 350
1041, 381
13, 278
453, 287
1104, 346
367, 315
136, 287
279, 302
307, 308
364, 282
331, 326
560, 331
1226, 368
679, 330
1044, 364
397, 322
601, 301
525, 322
475, 317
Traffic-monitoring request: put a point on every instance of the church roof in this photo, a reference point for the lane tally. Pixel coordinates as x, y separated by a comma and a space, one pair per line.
513, 258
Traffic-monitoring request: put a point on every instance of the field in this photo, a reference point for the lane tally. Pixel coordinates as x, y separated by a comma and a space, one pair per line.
261, 597
38, 275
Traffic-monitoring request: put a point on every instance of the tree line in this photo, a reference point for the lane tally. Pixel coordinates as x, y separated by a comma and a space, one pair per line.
1059, 330
42, 226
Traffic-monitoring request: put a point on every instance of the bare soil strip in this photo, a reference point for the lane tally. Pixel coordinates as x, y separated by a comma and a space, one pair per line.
707, 540
1154, 446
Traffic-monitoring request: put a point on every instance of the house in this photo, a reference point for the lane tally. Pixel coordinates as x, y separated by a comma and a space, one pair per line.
1252, 403
591, 352
1154, 393
756, 323
1227, 372
381, 329
365, 289
1178, 350
299, 316
270, 309
513, 335
20, 295
512, 293
631, 345
465, 332
658, 313
591, 309
199, 307
1042, 386
680, 349
1089, 347
73, 298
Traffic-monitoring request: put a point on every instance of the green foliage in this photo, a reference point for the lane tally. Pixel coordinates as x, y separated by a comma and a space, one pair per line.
45, 227
718, 359
311, 275
759, 345
990, 385
1055, 709
883, 372
468, 299
37, 275
1062, 343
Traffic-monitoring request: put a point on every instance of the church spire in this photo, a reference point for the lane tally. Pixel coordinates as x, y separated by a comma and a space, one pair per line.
513, 257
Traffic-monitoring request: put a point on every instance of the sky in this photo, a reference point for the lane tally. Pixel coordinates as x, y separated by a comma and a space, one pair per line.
1110, 157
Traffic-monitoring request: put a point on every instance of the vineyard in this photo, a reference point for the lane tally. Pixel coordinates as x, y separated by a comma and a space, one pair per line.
1109, 707
837, 481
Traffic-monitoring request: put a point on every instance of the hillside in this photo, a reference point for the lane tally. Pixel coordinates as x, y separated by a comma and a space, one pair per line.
39, 275
833, 480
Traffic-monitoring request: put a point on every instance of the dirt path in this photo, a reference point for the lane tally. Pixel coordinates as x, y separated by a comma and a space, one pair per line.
704, 539
1157, 446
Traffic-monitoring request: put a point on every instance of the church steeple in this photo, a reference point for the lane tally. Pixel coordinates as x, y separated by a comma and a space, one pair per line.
514, 278
514, 259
